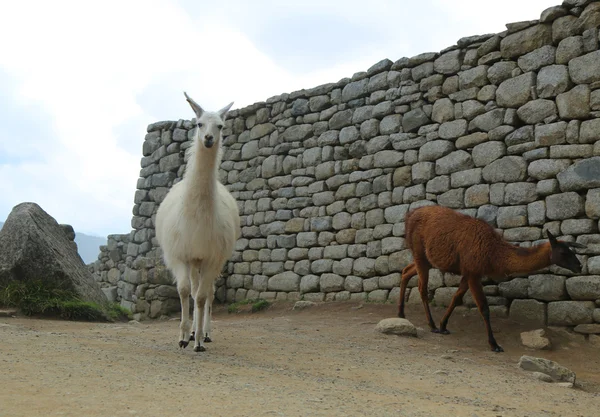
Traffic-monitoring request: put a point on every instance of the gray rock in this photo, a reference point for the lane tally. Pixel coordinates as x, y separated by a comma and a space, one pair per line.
570, 313
506, 169
538, 58
33, 246
515, 288
423, 172
575, 103
551, 134
578, 226
584, 174
564, 206
548, 367
453, 198
331, 283
448, 63
524, 41
501, 71
488, 213
547, 287
387, 159
341, 119
589, 131
520, 193
287, 281
396, 326
536, 111
568, 49
414, 119
466, 178
584, 287
390, 124
453, 162
435, 149
528, 311
443, 110
486, 153
364, 267
297, 133
514, 216
453, 129
477, 195
585, 69
488, 121
515, 92
355, 90
536, 212
552, 81
474, 77
547, 168
592, 204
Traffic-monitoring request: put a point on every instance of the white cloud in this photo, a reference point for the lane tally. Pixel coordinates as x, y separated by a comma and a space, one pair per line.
98, 68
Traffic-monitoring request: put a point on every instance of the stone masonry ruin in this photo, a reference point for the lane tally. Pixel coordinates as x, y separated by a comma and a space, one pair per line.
504, 127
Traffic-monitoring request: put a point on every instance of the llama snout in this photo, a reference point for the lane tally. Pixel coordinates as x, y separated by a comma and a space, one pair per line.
209, 140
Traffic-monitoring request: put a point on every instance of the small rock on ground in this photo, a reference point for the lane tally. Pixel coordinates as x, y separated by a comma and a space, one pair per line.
554, 370
397, 326
542, 377
535, 339
301, 305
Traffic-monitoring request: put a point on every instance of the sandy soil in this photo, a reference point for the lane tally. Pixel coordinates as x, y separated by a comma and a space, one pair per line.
323, 361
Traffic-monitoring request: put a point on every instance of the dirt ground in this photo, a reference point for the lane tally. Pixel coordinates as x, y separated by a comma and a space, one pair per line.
323, 361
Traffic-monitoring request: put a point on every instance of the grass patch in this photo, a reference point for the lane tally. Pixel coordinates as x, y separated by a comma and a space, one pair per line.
43, 298
252, 306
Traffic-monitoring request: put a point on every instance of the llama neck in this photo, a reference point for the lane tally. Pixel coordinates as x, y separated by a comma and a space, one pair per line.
201, 174
515, 259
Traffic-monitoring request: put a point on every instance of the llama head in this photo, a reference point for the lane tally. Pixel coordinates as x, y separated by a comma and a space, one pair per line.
562, 255
209, 124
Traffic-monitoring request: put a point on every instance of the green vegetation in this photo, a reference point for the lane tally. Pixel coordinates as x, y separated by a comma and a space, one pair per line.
42, 298
253, 305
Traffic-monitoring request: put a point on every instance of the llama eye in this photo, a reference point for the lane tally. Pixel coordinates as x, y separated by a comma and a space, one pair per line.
199, 124
220, 127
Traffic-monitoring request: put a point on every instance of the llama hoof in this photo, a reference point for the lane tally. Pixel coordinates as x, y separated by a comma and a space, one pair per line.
207, 339
444, 331
192, 336
183, 344
497, 349
436, 330
199, 348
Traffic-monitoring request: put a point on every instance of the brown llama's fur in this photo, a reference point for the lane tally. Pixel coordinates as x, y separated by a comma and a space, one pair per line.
442, 238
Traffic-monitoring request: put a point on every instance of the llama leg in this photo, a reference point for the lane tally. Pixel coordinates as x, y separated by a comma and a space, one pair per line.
423, 271
458, 296
184, 289
407, 273
482, 304
199, 310
208, 318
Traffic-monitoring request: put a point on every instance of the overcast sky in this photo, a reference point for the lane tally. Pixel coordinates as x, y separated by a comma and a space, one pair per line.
80, 81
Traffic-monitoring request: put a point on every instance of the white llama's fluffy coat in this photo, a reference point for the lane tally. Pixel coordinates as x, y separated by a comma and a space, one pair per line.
197, 226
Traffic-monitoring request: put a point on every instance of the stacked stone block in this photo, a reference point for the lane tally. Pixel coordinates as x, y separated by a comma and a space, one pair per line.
503, 127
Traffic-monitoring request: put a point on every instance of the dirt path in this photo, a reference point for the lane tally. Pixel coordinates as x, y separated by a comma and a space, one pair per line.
324, 361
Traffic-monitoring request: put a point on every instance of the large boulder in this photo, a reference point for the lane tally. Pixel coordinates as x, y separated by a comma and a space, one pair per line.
34, 246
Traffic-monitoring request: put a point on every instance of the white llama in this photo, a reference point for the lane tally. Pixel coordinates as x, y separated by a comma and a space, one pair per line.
197, 226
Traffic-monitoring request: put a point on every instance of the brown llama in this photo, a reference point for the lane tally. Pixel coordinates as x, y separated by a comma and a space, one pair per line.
442, 238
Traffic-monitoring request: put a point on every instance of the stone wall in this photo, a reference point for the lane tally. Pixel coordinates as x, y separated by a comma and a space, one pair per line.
504, 127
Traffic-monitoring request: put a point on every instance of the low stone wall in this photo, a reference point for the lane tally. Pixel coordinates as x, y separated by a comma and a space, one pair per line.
504, 127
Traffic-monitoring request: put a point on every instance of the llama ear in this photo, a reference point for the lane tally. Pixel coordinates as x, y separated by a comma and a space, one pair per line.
551, 238
576, 245
195, 106
224, 110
